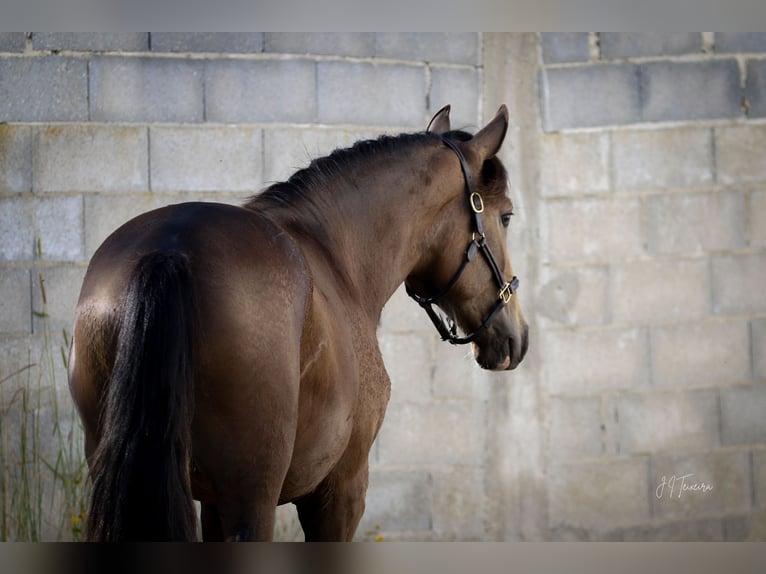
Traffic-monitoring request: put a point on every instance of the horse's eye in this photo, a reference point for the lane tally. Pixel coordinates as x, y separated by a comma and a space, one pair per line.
505, 218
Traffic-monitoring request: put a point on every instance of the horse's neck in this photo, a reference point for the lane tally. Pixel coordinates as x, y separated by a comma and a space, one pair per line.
375, 225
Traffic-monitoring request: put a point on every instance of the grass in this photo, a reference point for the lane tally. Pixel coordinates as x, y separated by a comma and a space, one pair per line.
43, 474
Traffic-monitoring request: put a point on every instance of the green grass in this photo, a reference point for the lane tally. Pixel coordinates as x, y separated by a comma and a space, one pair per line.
43, 474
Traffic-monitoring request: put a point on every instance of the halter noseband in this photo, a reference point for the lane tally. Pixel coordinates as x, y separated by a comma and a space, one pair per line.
448, 329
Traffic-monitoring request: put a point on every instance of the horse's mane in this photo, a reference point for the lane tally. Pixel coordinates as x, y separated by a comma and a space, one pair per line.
304, 185
324, 169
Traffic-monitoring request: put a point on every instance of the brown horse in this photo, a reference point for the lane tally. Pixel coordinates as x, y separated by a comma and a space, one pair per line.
229, 354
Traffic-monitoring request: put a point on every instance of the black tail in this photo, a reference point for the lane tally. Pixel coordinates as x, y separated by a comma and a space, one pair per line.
141, 488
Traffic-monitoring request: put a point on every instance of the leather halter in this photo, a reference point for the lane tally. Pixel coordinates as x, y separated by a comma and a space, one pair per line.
447, 329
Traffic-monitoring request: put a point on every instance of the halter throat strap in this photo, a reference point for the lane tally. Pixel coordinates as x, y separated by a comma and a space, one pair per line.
447, 329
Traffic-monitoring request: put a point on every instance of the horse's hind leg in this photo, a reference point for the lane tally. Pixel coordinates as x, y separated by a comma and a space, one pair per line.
333, 511
244, 453
247, 520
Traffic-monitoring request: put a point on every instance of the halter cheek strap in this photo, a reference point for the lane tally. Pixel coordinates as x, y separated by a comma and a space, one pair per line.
447, 329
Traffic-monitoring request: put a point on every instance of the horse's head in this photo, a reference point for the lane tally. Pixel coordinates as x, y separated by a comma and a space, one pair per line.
466, 271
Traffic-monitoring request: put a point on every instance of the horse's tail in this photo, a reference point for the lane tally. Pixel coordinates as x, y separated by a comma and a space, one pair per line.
140, 471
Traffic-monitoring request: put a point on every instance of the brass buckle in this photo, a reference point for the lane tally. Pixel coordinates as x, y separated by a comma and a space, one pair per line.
506, 293
477, 203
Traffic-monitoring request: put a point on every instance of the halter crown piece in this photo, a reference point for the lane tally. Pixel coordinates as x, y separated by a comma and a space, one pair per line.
447, 329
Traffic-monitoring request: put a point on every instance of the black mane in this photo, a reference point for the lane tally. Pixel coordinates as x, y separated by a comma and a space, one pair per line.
336, 164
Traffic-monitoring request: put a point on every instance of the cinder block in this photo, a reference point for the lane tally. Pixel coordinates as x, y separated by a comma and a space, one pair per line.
575, 428
15, 302
15, 158
105, 213
592, 361
34, 363
458, 504
562, 47
749, 528
594, 229
736, 528
408, 359
681, 91
90, 158
13, 41
43, 89
452, 47
574, 164
738, 282
649, 159
18, 356
59, 224
62, 289
91, 41
738, 154
356, 44
757, 213
14, 427
456, 374
396, 500
402, 314
205, 159
740, 42
588, 96
742, 408
660, 290
17, 239
689, 485
232, 42
706, 530
146, 90
758, 334
286, 150
701, 353
667, 421
600, 495
432, 433
678, 223
759, 477
348, 93
459, 87
576, 534
260, 91
755, 88
578, 297
641, 44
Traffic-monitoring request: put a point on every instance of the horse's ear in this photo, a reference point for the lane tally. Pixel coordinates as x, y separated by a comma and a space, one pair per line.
439, 124
488, 140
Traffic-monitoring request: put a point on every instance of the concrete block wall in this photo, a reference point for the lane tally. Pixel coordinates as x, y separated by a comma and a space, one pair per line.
653, 287
640, 239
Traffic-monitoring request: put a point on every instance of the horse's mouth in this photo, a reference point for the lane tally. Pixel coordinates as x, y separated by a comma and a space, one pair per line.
508, 361
491, 362
505, 365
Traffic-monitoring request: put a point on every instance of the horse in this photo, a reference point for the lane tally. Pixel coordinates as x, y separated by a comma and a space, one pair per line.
229, 355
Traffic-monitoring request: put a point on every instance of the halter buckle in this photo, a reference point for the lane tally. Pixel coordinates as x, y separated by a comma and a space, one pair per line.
506, 292
477, 203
